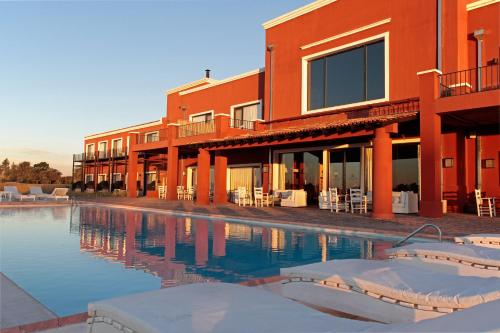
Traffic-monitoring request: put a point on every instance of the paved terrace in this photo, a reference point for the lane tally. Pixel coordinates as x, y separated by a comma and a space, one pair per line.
451, 225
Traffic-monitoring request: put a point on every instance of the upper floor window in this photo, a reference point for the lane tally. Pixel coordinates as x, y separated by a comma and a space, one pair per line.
152, 137
204, 117
352, 76
244, 115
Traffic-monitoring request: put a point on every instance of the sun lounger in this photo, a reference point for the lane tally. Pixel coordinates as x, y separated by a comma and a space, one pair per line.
486, 240
410, 293
462, 259
57, 193
210, 308
18, 196
224, 308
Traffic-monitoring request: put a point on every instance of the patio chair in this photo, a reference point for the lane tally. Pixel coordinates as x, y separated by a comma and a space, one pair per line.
59, 193
260, 197
162, 192
189, 193
485, 206
180, 192
37, 192
243, 197
333, 199
358, 200
18, 196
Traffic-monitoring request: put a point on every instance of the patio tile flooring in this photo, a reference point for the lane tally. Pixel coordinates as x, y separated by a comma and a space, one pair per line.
451, 224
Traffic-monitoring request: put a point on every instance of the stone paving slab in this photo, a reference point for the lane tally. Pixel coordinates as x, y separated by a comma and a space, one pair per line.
452, 224
18, 307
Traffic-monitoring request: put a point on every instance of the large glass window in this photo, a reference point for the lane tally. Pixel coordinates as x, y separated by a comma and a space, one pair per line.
405, 167
244, 116
351, 76
205, 117
345, 169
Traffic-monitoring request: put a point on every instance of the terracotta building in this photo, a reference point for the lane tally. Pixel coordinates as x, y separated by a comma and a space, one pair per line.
390, 95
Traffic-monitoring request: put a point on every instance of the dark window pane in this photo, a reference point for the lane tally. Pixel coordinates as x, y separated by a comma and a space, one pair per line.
405, 167
375, 71
317, 84
345, 77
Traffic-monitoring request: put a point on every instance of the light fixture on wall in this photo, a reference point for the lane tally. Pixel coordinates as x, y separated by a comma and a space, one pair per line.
448, 162
488, 163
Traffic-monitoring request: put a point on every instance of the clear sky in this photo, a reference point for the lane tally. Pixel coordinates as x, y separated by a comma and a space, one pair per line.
73, 68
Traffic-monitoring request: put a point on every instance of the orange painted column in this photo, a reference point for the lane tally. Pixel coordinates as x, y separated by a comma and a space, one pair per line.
219, 243
201, 242
170, 236
220, 181
382, 174
172, 172
430, 143
132, 162
203, 177
132, 219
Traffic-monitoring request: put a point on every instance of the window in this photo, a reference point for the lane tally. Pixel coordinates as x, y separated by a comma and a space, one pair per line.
152, 137
101, 178
351, 76
90, 150
243, 116
89, 178
204, 117
117, 177
405, 167
103, 147
117, 147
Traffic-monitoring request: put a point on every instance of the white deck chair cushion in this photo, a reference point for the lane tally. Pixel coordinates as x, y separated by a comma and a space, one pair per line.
221, 308
469, 253
402, 282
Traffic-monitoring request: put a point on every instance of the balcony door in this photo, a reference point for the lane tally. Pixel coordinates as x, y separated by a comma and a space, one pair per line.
117, 147
103, 147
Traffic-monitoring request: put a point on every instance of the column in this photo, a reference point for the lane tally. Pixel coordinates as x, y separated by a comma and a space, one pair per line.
220, 181
172, 172
219, 241
201, 242
382, 174
203, 188
133, 158
430, 143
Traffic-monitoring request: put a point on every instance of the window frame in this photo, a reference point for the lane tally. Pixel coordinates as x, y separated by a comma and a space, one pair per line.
149, 133
345, 47
210, 112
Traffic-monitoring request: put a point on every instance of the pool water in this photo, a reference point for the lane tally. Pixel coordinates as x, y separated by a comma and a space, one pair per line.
67, 256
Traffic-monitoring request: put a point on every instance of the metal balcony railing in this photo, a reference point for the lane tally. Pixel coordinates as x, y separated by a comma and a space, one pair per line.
469, 81
91, 156
196, 128
242, 124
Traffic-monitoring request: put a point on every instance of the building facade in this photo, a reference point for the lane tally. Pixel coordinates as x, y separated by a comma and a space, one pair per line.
391, 96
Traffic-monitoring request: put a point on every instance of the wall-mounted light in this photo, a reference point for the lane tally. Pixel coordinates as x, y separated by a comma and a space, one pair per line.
488, 163
448, 162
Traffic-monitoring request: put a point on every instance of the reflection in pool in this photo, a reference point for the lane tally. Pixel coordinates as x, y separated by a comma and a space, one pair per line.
56, 254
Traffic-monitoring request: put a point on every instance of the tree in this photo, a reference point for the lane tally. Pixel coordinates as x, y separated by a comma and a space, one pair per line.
4, 169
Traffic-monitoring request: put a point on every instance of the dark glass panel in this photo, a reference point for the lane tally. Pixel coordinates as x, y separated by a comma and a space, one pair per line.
375, 71
405, 167
353, 168
317, 84
337, 169
345, 77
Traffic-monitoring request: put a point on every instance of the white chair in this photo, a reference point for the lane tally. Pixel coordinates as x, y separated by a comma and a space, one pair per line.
162, 192
189, 193
358, 200
485, 206
260, 197
333, 199
18, 196
37, 192
180, 192
243, 197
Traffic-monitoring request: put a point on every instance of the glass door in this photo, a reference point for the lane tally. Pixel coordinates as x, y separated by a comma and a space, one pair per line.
345, 169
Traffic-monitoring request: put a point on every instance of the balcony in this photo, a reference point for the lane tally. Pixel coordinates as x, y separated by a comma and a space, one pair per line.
197, 128
469, 81
100, 155
152, 136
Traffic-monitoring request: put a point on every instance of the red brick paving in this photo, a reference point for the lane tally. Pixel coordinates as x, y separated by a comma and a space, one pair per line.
451, 224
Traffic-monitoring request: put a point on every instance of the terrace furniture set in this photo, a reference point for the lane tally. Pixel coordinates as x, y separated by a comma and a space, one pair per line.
36, 193
185, 193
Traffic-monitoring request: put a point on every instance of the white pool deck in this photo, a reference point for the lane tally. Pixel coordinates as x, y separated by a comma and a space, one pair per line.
18, 307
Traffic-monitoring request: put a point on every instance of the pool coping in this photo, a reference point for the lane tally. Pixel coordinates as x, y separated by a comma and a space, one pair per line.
342, 231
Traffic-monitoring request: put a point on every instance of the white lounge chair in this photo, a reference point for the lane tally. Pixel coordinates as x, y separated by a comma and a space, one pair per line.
404, 202
228, 308
18, 196
293, 198
387, 291
485, 240
467, 260
57, 193
37, 192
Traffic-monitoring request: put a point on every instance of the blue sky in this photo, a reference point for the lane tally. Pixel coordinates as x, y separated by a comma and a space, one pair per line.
72, 68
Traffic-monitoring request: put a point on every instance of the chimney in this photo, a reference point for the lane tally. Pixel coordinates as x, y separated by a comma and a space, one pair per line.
207, 73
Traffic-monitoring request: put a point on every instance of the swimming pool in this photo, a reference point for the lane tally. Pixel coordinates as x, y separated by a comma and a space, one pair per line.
68, 256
